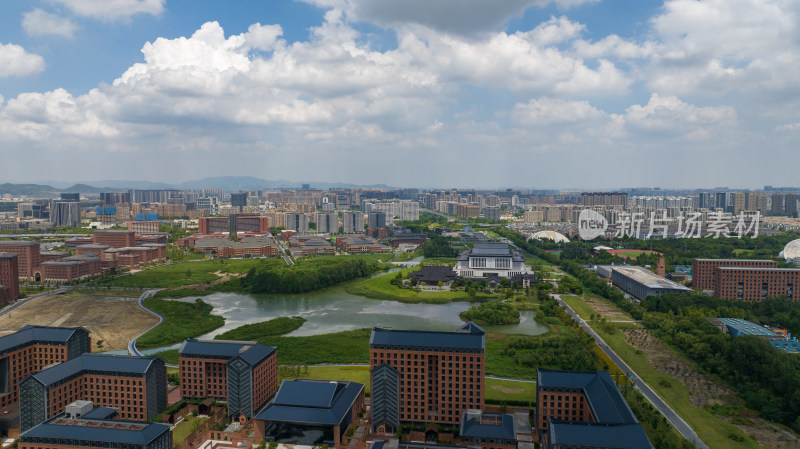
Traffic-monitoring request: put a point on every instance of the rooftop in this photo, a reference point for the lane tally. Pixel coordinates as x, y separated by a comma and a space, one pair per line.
488, 425
648, 278
312, 402
250, 351
121, 364
789, 270
28, 334
621, 436
748, 328
8, 255
601, 392
468, 336
100, 430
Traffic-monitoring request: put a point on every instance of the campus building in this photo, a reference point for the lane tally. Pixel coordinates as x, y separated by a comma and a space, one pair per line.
490, 260
425, 377
703, 269
756, 284
242, 373
311, 412
114, 239
9, 277
777, 337
28, 351
85, 426
584, 409
641, 282
136, 386
29, 257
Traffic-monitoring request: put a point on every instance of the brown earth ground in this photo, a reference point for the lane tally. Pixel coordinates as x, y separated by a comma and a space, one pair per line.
605, 309
703, 391
114, 321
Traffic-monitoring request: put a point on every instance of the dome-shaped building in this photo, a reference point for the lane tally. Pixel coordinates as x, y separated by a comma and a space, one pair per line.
550, 235
791, 252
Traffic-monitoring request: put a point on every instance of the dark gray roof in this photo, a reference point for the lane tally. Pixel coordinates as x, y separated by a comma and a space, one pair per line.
8, 255
477, 427
30, 334
92, 430
101, 413
19, 243
434, 273
312, 402
121, 364
468, 336
601, 392
491, 250
250, 351
618, 436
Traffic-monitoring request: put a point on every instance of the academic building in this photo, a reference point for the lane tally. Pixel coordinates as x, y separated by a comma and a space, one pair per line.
584, 409
756, 284
114, 239
425, 377
28, 351
136, 386
490, 260
29, 257
85, 426
9, 277
703, 269
244, 374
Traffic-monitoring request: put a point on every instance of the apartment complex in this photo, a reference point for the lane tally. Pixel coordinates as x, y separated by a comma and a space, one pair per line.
327, 222
233, 224
297, 221
9, 277
756, 284
244, 374
584, 409
136, 386
352, 222
703, 269
85, 426
425, 377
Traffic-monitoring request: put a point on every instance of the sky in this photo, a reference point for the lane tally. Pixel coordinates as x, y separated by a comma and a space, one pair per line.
590, 94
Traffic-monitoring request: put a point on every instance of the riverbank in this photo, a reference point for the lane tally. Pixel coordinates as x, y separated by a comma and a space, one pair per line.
381, 287
182, 320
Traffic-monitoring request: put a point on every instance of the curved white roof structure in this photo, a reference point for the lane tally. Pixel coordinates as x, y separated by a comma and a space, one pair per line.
791, 251
550, 235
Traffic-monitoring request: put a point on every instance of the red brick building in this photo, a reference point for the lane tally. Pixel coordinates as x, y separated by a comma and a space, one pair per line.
28, 351
9, 277
114, 238
703, 269
425, 377
136, 386
243, 374
29, 257
756, 284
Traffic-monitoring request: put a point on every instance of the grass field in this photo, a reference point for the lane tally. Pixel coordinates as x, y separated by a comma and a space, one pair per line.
182, 320
275, 326
380, 287
579, 306
188, 273
501, 390
712, 430
110, 321
631, 253
186, 427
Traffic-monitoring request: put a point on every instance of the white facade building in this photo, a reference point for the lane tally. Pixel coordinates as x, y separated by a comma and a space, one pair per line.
490, 260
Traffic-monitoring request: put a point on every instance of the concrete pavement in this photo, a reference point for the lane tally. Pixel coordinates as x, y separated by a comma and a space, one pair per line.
648, 392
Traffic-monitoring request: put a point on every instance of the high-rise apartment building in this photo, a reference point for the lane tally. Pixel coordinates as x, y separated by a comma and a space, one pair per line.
425, 377
328, 222
297, 221
353, 222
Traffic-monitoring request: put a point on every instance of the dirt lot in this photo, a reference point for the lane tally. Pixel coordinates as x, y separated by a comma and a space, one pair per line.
705, 392
114, 321
605, 309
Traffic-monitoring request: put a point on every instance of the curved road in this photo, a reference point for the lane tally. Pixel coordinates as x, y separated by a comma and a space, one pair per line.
132, 344
648, 392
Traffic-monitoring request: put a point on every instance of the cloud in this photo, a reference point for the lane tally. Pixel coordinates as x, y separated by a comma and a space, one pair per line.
41, 23
465, 17
112, 10
549, 111
15, 61
671, 117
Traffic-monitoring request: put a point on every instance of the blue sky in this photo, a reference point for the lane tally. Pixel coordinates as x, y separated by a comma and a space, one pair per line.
439, 93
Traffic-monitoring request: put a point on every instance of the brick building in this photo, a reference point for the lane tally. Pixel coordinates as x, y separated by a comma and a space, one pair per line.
425, 377
756, 284
28, 351
584, 409
703, 269
29, 257
114, 239
136, 386
244, 374
75, 429
9, 277
70, 268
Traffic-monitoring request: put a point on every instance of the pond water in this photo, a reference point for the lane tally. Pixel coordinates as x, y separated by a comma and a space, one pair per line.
335, 310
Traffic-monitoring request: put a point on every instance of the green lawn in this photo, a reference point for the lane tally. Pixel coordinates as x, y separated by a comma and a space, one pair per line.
579, 306
188, 273
275, 326
186, 427
182, 320
499, 390
711, 429
380, 287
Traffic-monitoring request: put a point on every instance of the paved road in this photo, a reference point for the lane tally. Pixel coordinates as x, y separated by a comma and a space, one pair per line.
20, 302
648, 392
132, 350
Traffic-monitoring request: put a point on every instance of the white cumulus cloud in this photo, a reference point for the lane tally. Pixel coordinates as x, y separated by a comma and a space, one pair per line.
112, 9
15, 61
38, 22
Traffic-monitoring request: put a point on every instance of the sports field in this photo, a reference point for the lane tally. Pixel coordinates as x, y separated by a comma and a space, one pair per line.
631, 253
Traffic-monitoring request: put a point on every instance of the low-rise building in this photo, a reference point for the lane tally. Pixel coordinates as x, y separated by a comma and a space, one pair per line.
703, 269
491, 260
114, 238
756, 284
777, 337
488, 430
311, 412
641, 282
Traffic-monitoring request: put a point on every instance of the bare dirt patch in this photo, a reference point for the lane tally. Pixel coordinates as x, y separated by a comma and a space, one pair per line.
114, 321
704, 391
507, 390
606, 310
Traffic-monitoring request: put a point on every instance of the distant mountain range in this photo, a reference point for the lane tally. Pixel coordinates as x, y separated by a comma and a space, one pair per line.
229, 183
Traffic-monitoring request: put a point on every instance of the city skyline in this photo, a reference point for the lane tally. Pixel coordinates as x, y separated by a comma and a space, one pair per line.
545, 93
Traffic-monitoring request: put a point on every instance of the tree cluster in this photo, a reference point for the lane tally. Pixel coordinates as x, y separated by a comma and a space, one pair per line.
303, 278
492, 313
